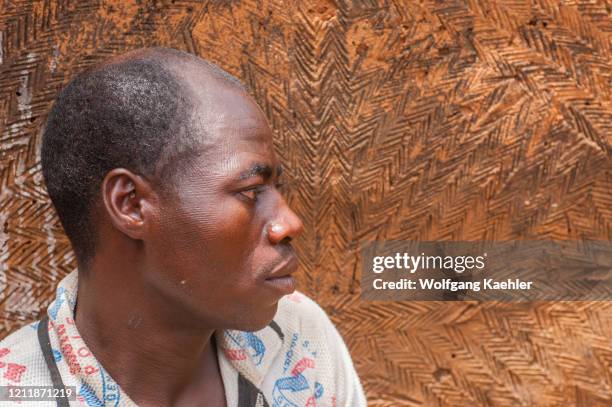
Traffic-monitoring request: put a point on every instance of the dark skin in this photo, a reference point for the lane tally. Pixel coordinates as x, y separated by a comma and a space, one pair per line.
174, 265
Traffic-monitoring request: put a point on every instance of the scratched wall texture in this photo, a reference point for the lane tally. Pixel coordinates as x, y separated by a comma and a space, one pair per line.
396, 120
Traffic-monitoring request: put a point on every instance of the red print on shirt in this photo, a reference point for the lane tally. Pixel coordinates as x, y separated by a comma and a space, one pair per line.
235, 354
13, 371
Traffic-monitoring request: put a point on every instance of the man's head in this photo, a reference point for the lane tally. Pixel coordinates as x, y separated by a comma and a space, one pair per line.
165, 158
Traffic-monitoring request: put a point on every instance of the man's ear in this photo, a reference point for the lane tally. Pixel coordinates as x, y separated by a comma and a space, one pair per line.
128, 199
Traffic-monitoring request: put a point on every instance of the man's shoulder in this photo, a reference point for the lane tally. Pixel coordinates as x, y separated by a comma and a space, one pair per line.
314, 358
21, 359
21, 343
298, 312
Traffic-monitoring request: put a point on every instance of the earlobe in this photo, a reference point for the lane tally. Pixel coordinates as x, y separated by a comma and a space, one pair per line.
124, 196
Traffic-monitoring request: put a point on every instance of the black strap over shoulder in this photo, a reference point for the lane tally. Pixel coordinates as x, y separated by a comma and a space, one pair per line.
45, 346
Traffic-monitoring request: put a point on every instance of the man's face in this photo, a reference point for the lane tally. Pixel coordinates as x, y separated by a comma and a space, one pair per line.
223, 237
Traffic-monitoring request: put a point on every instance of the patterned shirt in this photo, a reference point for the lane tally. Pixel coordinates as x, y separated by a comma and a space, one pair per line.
299, 359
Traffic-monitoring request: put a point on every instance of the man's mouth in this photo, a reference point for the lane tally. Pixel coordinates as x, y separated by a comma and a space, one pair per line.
280, 278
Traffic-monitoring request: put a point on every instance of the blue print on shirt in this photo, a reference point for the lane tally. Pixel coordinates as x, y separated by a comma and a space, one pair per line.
251, 343
58, 302
90, 396
57, 355
289, 353
287, 390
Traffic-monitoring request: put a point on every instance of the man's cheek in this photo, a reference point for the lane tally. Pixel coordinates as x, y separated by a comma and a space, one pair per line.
238, 234
189, 228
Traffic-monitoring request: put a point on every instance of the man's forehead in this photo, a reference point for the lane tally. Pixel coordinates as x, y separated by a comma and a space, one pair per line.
231, 139
250, 126
216, 96
229, 124
232, 149
236, 166
231, 117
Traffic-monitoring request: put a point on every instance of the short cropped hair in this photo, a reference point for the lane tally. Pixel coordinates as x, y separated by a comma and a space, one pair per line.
133, 112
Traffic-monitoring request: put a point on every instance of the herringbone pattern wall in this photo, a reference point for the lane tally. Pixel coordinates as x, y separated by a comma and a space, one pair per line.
396, 120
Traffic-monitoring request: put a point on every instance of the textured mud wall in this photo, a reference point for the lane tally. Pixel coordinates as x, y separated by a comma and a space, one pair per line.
405, 120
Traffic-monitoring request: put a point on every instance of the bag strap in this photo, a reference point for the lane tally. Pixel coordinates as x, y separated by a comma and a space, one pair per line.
45, 346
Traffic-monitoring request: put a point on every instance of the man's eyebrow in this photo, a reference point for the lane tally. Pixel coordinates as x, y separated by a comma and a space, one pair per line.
260, 170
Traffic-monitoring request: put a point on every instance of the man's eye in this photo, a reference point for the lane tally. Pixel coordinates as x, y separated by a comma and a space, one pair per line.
250, 194
253, 193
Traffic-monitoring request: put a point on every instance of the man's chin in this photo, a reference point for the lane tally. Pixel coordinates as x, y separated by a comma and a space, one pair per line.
256, 321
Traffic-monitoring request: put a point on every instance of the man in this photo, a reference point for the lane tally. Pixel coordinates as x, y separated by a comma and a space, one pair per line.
163, 174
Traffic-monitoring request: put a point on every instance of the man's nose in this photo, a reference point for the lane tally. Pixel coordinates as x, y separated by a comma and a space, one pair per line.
287, 225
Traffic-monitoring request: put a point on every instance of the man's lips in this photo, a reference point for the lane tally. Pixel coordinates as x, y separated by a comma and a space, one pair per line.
286, 267
280, 278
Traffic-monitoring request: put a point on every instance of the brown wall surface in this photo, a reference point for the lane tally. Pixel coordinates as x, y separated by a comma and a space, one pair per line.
449, 120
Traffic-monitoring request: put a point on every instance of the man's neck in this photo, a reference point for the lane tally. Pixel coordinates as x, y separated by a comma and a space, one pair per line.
133, 335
